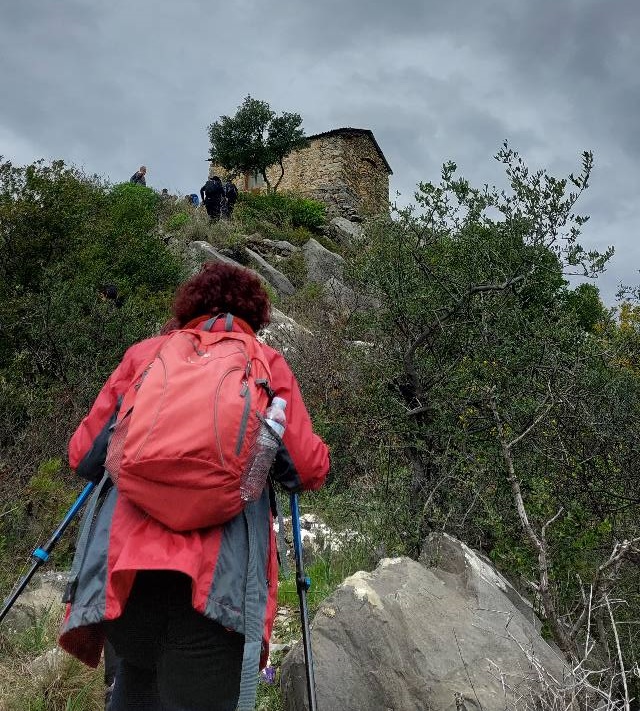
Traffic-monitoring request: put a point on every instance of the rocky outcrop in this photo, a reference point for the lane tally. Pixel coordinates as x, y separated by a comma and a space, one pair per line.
322, 264
318, 539
42, 597
345, 231
411, 637
202, 252
276, 278
280, 246
283, 332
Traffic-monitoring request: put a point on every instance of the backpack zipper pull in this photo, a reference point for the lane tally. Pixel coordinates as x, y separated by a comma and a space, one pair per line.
245, 389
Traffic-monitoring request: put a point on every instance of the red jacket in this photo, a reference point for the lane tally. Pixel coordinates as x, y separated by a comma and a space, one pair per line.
123, 539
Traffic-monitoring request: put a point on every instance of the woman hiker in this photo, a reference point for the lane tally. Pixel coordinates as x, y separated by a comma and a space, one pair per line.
174, 603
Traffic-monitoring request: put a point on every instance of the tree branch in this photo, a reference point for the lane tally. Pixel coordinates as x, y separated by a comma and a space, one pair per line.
564, 641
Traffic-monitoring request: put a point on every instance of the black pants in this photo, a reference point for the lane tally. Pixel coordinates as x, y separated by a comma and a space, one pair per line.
213, 209
227, 209
171, 657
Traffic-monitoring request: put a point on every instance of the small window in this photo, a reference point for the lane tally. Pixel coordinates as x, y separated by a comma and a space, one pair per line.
371, 161
255, 181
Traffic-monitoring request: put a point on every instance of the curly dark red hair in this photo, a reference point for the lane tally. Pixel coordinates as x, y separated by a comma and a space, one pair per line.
222, 288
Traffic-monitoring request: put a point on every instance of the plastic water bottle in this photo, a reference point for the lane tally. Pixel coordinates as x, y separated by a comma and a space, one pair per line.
255, 475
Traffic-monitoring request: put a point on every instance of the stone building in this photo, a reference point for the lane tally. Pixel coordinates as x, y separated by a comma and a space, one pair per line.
344, 168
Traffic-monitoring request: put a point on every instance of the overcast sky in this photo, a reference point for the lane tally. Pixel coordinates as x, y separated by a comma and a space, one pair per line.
111, 85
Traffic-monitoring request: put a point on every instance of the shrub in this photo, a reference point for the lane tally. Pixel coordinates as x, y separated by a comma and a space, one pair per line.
281, 209
176, 221
134, 208
64, 236
295, 268
307, 213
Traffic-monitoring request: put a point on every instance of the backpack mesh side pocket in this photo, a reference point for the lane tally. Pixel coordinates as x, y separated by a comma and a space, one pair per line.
116, 448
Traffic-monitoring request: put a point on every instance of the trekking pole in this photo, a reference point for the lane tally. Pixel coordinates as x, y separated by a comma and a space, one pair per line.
303, 584
41, 555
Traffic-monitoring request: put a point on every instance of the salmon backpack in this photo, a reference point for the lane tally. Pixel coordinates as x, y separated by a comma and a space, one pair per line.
187, 425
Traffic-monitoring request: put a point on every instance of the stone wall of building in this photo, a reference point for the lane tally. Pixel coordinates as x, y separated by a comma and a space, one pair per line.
319, 165
366, 174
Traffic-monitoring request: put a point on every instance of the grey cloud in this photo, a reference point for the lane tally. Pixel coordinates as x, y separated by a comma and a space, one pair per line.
112, 85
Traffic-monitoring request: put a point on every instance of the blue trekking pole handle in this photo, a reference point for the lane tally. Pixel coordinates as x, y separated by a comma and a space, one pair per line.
41, 554
303, 584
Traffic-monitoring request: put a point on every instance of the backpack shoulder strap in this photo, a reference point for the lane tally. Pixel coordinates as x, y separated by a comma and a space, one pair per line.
228, 322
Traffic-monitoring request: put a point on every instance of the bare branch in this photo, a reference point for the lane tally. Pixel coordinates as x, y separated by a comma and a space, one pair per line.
604, 577
550, 522
543, 412
627, 705
564, 641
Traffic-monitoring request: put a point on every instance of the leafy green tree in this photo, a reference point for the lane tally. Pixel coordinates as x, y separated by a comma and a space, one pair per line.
255, 138
492, 381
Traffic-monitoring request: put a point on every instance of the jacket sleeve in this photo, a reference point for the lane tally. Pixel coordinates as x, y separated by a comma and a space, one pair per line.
88, 444
303, 462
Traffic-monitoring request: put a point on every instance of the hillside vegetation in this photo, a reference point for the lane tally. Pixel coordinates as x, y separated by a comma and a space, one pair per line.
468, 388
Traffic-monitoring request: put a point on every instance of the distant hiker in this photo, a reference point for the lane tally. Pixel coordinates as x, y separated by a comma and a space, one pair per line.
108, 292
188, 606
138, 176
164, 194
195, 200
230, 198
212, 194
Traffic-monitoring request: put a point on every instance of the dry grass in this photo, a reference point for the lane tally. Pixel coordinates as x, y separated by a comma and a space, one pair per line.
36, 676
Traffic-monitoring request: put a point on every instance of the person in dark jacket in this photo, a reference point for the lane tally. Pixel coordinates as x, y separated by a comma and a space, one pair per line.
139, 176
174, 604
212, 194
230, 198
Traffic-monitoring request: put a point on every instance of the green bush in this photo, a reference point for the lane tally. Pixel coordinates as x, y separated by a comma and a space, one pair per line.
282, 209
177, 221
134, 208
307, 213
64, 236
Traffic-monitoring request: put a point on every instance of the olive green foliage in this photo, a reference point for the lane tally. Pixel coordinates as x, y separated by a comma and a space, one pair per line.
63, 236
280, 209
255, 138
585, 302
176, 221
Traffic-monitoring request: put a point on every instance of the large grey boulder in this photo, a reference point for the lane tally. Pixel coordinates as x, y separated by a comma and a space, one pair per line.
280, 246
410, 638
345, 231
474, 571
198, 252
283, 332
276, 278
201, 252
322, 264
341, 298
